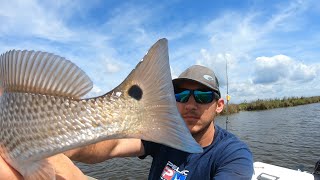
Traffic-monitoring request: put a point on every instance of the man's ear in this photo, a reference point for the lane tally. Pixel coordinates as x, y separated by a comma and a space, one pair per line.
220, 105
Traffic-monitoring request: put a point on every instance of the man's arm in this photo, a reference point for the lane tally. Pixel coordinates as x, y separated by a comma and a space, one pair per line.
108, 149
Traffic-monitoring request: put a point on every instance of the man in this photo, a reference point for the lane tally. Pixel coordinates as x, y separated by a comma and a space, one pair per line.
199, 101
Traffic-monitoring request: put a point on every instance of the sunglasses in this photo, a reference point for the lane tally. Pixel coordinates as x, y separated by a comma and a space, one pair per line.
200, 96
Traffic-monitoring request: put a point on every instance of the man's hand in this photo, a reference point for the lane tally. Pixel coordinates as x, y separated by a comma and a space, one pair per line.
7, 172
64, 168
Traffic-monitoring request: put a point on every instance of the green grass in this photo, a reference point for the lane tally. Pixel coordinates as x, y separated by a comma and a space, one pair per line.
270, 104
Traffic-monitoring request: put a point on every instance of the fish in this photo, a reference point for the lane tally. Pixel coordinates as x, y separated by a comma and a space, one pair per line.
43, 111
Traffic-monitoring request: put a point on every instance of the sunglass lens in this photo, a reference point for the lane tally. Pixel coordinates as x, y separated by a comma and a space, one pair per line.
183, 96
203, 97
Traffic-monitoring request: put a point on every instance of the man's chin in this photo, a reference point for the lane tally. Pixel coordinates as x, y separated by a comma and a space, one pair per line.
193, 129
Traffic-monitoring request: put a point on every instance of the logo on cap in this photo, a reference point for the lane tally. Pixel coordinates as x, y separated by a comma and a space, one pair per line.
207, 77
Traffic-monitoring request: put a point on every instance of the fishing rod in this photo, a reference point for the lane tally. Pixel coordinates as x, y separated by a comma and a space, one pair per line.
228, 97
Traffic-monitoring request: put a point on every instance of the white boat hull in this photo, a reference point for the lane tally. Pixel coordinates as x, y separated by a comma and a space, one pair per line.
264, 171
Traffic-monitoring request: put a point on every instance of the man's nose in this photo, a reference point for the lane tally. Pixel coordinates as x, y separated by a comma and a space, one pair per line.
191, 104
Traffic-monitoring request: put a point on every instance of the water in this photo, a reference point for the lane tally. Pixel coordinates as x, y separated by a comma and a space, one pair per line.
287, 137
130, 168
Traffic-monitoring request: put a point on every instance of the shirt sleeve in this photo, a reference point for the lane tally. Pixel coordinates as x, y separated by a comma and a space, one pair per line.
150, 148
237, 165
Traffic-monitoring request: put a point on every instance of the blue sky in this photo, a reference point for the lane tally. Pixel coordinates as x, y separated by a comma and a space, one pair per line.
272, 47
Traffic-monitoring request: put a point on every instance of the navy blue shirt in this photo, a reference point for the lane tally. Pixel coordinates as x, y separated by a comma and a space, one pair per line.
225, 158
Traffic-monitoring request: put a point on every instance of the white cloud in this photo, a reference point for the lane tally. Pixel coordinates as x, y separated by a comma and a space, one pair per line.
232, 33
127, 24
217, 62
270, 70
282, 68
244, 34
95, 91
109, 50
32, 20
249, 38
302, 72
246, 91
112, 68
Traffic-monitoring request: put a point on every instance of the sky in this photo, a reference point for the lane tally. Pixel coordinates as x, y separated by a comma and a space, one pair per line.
271, 47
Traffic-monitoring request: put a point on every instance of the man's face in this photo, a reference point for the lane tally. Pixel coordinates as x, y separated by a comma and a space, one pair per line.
198, 117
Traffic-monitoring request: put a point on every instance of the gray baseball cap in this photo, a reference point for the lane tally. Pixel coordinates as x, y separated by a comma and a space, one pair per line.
200, 74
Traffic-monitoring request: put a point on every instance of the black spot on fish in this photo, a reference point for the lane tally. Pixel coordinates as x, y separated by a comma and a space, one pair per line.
135, 92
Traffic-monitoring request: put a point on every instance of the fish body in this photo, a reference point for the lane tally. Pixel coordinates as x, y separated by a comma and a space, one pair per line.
42, 112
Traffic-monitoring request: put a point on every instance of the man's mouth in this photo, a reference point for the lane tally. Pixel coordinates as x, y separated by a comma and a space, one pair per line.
190, 117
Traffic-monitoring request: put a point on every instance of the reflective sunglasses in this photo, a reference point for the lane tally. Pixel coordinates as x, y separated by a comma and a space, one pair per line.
200, 96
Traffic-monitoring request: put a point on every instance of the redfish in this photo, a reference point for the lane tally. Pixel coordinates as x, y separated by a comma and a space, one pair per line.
42, 112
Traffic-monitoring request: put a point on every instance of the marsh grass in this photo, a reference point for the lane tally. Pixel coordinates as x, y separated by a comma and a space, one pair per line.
270, 104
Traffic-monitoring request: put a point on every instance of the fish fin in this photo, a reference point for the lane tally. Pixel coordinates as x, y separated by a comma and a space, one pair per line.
39, 171
43, 73
150, 83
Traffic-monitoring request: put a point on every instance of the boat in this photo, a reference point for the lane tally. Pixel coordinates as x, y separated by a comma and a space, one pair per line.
265, 171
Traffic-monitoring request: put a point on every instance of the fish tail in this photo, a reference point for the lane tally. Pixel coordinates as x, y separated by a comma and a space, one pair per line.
151, 85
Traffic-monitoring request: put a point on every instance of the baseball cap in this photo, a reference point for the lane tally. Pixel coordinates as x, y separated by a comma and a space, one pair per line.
200, 74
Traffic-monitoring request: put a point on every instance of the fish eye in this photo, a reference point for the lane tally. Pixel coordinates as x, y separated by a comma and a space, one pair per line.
135, 92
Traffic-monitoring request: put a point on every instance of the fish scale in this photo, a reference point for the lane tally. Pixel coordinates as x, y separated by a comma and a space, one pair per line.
52, 123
